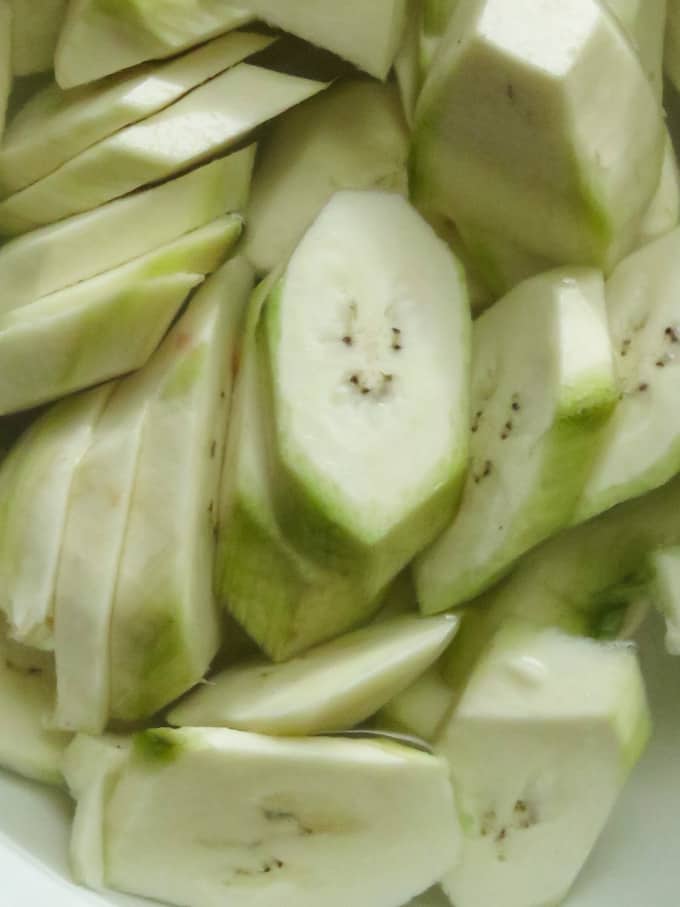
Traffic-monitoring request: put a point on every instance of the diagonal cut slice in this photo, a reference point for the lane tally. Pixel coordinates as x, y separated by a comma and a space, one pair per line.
53, 257
35, 482
165, 629
99, 509
107, 326
330, 688
206, 122
54, 126
98, 39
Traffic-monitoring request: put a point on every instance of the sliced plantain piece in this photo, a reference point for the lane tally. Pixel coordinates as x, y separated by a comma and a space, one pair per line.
100, 500
100, 38
543, 383
365, 346
663, 213
165, 629
54, 126
200, 815
540, 747
27, 746
366, 35
353, 136
35, 482
332, 687
640, 446
284, 601
512, 135
106, 326
63, 254
92, 767
204, 123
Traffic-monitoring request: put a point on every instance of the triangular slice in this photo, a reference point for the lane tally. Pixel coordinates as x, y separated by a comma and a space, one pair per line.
367, 35
99, 507
35, 30
353, 136
540, 747
165, 628
208, 816
98, 39
5, 60
284, 601
26, 700
106, 326
201, 125
364, 342
62, 254
35, 480
640, 446
536, 408
54, 126
330, 688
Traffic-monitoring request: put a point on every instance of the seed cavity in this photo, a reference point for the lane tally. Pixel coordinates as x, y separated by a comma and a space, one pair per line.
371, 383
487, 469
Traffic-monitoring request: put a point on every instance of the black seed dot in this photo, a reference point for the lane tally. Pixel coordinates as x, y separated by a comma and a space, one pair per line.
354, 379
643, 387
510, 91
365, 390
347, 340
213, 450
660, 363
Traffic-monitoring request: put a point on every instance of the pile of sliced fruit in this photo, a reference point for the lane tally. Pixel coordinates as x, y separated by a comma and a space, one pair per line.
339, 435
